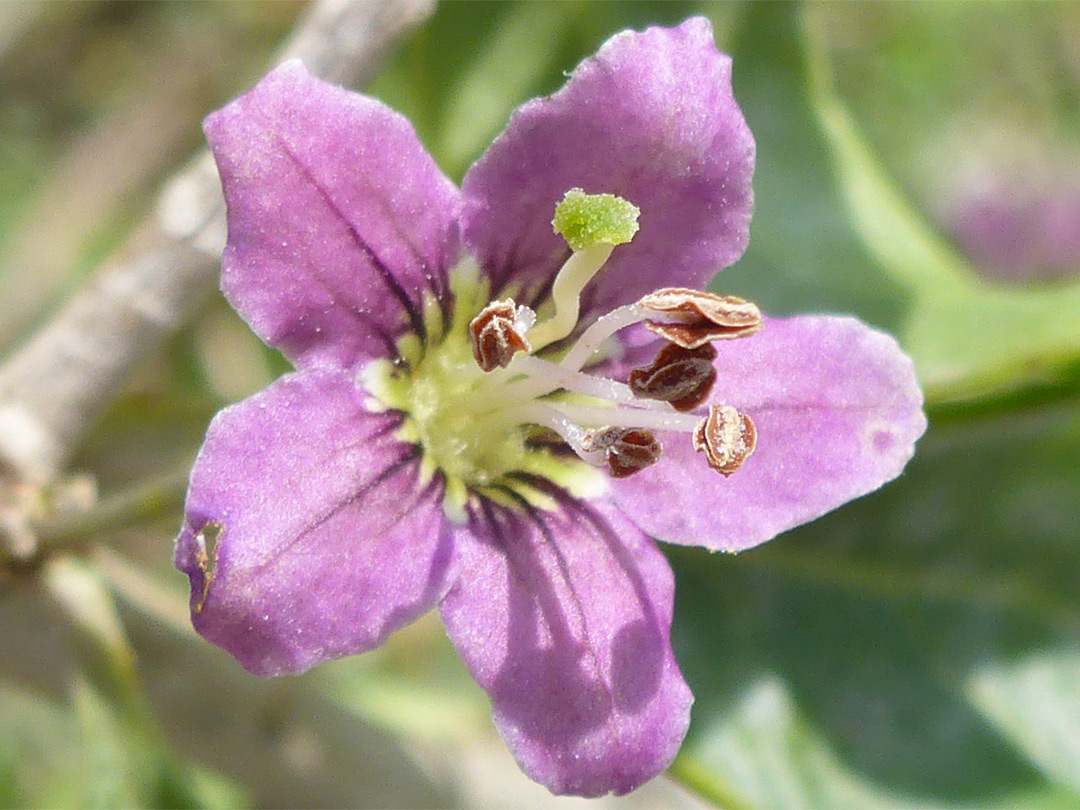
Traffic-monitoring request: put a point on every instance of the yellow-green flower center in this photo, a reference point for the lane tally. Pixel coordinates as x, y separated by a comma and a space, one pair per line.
452, 411
493, 417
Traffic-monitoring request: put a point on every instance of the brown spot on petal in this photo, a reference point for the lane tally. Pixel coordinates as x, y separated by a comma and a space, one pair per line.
692, 318
680, 376
495, 335
727, 438
206, 547
627, 450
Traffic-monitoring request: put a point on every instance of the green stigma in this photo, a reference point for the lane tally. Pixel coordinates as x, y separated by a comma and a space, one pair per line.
586, 220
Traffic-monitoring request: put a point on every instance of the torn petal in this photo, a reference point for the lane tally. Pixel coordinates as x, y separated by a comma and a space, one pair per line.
206, 560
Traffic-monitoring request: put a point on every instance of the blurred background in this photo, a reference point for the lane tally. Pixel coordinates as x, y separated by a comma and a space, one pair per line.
918, 166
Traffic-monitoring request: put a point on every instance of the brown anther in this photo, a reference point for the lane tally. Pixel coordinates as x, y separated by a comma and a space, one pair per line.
727, 437
626, 450
693, 318
682, 377
496, 336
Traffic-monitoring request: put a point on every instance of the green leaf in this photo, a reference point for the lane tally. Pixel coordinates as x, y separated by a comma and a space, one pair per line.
967, 336
113, 774
39, 766
519, 57
462, 76
53, 757
878, 618
124, 758
804, 255
1035, 703
196, 786
761, 753
414, 686
105, 654
279, 739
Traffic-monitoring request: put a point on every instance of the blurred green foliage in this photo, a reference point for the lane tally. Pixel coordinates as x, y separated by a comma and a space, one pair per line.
918, 647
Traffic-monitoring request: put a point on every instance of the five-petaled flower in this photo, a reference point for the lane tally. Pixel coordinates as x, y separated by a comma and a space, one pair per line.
390, 473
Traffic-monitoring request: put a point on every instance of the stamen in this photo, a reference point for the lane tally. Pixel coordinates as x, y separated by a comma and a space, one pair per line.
544, 377
628, 417
680, 376
692, 318
604, 327
498, 333
570, 432
626, 451
727, 438
688, 318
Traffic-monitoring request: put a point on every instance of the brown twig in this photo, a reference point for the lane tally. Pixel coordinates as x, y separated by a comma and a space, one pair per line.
53, 388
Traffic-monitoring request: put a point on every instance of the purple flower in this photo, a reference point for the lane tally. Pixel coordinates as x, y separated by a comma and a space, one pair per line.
1014, 233
390, 474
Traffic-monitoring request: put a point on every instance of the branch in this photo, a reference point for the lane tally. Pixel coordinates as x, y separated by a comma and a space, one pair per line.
53, 388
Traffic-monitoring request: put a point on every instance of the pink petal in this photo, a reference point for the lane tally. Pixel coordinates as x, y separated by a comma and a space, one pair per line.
329, 540
651, 118
339, 221
837, 409
564, 618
